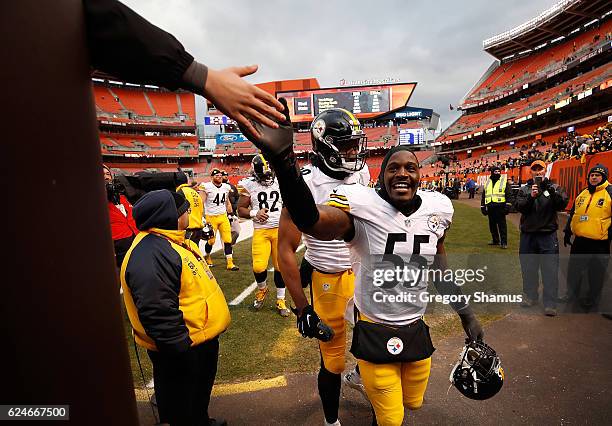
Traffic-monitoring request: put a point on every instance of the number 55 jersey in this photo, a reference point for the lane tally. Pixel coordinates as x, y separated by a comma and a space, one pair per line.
263, 197
391, 252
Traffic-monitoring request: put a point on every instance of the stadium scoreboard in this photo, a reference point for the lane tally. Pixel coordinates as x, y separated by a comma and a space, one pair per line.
363, 101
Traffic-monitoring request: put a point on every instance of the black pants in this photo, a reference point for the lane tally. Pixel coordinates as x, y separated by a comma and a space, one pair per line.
183, 383
471, 191
539, 252
497, 223
194, 235
591, 256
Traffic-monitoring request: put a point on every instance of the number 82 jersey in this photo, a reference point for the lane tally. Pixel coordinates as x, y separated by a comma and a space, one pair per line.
263, 197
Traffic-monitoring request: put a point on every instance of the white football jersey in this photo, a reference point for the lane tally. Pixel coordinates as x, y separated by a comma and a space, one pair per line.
408, 244
263, 196
328, 256
216, 197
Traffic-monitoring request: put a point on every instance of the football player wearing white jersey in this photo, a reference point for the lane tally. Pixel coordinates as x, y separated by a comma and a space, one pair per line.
217, 206
393, 224
260, 200
338, 157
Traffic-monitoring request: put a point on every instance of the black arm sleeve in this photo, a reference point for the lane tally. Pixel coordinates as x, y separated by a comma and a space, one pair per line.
482, 199
153, 276
568, 225
126, 45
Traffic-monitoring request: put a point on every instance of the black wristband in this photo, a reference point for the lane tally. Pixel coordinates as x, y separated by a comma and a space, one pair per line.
296, 194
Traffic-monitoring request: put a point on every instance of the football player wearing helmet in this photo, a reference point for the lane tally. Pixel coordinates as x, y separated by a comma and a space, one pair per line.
216, 208
396, 223
233, 197
260, 200
338, 144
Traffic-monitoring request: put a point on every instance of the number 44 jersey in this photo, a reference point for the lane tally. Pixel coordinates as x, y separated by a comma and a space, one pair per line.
263, 197
391, 252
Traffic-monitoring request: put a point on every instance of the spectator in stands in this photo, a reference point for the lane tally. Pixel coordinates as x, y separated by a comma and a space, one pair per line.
123, 228
589, 220
176, 308
538, 202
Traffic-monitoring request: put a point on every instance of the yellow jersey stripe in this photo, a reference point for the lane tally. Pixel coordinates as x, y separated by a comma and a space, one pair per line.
338, 205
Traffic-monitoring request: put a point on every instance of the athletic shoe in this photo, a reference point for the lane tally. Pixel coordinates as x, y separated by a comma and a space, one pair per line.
282, 308
231, 266
550, 312
260, 296
208, 260
353, 380
326, 423
504, 246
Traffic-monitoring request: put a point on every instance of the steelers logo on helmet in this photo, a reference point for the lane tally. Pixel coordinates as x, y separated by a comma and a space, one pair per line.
261, 170
338, 140
478, 374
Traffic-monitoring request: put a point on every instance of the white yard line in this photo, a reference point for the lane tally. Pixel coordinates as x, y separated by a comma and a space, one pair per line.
251, 288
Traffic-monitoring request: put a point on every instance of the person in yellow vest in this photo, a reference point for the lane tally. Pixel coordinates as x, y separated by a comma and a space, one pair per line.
194, 230
589, 221
495, 204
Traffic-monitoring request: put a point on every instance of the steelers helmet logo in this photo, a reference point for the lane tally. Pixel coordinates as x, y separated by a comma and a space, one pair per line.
433, 222
318, 128
326, 287
395, 345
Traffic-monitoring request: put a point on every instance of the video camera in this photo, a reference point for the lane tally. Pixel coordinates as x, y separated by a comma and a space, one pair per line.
136, 185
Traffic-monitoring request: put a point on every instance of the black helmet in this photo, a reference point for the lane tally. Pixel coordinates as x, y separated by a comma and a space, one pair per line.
261, 170
478, 374
207, 231
333, 132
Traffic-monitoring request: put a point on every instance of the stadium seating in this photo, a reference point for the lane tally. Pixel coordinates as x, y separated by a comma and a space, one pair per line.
513, 75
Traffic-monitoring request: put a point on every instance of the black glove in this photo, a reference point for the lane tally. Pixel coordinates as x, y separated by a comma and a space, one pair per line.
567, 239
273, 143
471, 325
483, 210
310, 325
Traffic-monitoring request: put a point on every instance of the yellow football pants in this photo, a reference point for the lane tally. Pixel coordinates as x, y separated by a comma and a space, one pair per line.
265, 242
330, 295
220, 222
391, 387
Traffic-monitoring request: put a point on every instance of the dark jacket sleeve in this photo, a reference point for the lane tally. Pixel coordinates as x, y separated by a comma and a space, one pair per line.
568, 225
153, 275
126, 45
560, 198
482, 198
524, 201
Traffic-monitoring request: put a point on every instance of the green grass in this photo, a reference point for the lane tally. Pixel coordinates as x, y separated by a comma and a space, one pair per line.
262, 344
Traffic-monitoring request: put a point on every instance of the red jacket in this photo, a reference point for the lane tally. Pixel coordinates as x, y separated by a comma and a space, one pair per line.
122, 226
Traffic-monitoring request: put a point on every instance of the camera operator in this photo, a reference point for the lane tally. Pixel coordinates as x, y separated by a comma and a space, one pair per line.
123, 227
538, 202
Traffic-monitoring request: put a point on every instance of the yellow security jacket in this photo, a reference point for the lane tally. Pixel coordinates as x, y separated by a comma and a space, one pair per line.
172, 299
196, 205
590, 215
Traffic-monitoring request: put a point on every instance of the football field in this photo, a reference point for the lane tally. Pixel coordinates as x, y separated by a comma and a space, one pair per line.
262, 344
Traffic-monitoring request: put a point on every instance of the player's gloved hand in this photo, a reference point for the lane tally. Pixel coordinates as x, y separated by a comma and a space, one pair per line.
483, 210
567, 239
471, 325
273, 143
310, 325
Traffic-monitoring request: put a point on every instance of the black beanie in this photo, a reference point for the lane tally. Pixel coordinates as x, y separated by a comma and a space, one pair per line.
181, 203
601, 169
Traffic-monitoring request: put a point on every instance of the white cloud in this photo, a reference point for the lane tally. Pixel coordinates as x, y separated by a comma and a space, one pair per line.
438, 44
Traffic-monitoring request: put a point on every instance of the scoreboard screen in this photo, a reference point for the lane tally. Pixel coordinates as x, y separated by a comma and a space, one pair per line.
363, 101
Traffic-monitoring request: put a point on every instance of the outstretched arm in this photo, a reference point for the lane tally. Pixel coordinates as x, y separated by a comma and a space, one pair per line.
288, 241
